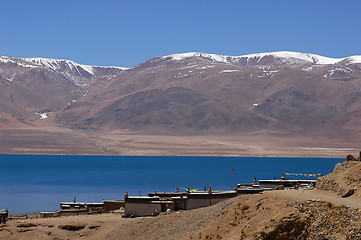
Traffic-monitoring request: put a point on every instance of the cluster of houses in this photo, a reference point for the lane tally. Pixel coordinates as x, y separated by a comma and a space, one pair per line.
80, 208
155, 203
152, 204
159, 202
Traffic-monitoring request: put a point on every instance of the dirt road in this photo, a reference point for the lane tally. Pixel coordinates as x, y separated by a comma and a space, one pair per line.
304, 195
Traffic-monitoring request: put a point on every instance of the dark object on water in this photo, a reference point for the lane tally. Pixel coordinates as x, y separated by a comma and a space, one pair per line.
349, 193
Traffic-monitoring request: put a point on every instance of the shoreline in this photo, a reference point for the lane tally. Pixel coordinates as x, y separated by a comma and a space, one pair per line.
54, 141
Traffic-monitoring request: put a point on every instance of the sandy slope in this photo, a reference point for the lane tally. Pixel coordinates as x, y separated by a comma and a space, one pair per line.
305, 195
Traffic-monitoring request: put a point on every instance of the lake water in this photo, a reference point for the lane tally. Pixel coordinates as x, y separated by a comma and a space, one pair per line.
30, 183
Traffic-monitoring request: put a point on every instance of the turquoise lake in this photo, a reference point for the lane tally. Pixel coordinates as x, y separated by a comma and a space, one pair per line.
30, 183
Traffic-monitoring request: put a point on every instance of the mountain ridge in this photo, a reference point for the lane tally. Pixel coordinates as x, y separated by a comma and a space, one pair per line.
312, 58
298, 92
309, 57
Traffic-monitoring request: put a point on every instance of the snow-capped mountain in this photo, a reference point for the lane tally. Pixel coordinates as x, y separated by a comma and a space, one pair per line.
80, 74
31, 87
60, 64
283, 56
188, 93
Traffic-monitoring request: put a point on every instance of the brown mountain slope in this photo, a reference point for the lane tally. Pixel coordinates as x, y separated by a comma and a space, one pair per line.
173, 108
194, 93
31, 87
298, 97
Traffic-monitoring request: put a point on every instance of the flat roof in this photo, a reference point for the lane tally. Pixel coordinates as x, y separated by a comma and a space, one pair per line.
79, 203
213, 192
117, 201
180, 197
169, 202
287, 180
141, 197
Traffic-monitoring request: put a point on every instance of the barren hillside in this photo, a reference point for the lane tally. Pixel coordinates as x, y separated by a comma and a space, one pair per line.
282, 95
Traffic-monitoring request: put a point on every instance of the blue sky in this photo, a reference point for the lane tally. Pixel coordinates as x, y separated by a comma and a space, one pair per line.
126, 33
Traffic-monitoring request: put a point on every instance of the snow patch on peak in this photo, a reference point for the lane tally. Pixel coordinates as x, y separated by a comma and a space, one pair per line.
5, 59
113, 67
229, 71
215, 57
284, 55
354, 59
55, 64
308, 57
42, 115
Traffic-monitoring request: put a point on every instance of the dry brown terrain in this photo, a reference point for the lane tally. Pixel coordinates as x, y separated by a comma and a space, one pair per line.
65, 141
49, 141
292, 214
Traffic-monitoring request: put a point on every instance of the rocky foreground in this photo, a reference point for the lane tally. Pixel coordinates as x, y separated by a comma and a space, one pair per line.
288, 214
346, 178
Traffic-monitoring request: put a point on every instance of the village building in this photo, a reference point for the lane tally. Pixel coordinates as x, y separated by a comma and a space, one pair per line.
146, 206
206, 199
286, 183
156, 203
78, 208
49, 214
